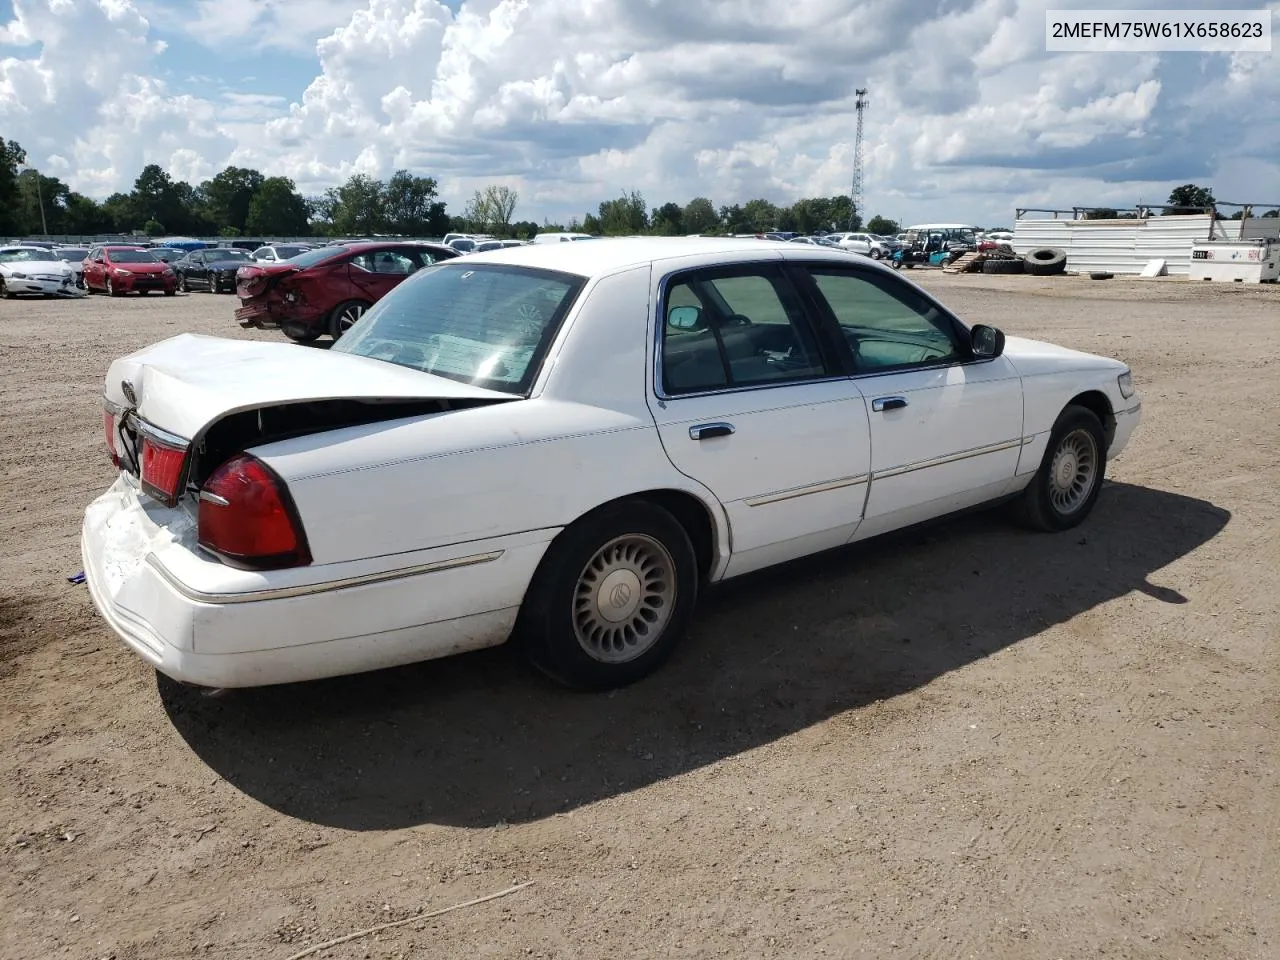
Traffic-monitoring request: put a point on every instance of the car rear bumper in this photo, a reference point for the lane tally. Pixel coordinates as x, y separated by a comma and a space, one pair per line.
272, 314
140, 577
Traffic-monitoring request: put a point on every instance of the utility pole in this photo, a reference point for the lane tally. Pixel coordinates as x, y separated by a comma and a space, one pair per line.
44, 225
860, 104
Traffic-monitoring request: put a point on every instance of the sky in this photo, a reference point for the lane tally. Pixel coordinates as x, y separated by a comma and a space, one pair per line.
572, 102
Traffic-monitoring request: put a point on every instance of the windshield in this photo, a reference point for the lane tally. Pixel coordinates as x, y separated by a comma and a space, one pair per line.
131, 256
70, 253
286, 253
23, 256
226, 254
487, 325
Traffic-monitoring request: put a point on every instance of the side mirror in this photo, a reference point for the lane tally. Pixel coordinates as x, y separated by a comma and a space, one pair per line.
986, 342
684, 318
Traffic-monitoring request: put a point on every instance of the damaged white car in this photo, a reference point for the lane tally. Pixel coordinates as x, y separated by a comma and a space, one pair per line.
564, 444
36, 271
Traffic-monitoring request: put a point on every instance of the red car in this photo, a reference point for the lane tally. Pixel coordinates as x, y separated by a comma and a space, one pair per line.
327, 289
121, 270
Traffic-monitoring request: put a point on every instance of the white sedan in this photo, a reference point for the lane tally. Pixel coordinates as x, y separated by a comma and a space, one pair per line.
36, 270
563, 444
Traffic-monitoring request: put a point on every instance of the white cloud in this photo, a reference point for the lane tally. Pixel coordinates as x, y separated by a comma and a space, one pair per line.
572, 101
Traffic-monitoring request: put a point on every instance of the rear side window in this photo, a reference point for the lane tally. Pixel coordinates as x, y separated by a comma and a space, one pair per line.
384, 261
735, 328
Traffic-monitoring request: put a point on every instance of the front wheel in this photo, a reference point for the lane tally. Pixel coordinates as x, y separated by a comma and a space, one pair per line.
611, 598
111, 289
182, 283
875, 254
1066, 487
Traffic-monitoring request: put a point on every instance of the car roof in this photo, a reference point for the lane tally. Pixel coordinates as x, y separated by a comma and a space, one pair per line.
600, 257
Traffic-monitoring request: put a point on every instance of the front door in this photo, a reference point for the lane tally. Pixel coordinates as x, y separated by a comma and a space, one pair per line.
946, 429
750, 402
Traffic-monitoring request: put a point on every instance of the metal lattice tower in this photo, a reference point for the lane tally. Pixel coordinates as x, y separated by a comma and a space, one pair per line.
860, 104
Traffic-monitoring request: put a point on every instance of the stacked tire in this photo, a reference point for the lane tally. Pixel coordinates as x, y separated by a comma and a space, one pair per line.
1045, 262
1002, 265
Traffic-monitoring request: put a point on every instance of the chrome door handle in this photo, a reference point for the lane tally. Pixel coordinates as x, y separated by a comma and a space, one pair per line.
705, 431
881, 404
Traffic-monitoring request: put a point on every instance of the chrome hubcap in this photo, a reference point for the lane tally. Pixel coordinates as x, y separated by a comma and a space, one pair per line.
1073, 472
624, 598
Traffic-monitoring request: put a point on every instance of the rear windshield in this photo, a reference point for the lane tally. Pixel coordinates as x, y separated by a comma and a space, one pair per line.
131, 256
226, 254
318, 255
285, 253
487, 324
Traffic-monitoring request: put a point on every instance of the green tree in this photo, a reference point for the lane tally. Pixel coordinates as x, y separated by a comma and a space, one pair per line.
883, 226
356, 207
1272, 213
624, 216
699, 216
590, 224
228, 195
153, 228
12, 156
42, 203
117, 213
732, 219
84, 215
667, 220
760, 216
411, 206
1189, 198
277, 209
524, 229
156, 197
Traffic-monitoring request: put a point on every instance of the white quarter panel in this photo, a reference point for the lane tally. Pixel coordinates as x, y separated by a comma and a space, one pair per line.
464, 475
955, 443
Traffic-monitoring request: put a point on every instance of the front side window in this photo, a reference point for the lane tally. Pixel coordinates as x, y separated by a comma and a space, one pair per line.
735, 328
489, 325
886, 323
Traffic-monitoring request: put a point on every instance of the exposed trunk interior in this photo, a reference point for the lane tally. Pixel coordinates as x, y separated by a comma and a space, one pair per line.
251, 428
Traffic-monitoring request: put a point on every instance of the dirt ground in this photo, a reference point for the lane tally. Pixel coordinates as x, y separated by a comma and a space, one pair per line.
969, 741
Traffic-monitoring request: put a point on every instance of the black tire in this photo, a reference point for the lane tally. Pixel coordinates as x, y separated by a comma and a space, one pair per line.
1040, 505
111, 289
1045, 262
558, 622
875, 254
1101, 275
4, 291
211, 283
170, 293
183, 285
1002, 266
299, 334
345, 315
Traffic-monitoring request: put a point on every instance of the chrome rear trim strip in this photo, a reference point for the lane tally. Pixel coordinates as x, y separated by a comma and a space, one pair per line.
805, 491
307, 589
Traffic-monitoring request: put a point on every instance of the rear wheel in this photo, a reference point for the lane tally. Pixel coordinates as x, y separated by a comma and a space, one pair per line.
4, 291
1066, 487
299, 334
611, 598
344, 317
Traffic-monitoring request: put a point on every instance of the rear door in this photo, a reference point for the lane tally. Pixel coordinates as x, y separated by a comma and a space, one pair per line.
375, 273
946, 428
750, 399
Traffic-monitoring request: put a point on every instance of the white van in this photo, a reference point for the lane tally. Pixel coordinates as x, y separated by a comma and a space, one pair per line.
560, 237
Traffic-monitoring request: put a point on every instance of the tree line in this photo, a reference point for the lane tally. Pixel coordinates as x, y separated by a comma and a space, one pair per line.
241, 201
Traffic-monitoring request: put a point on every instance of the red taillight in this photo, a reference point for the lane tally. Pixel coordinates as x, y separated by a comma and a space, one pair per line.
109, 427
247, 517
162, 468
